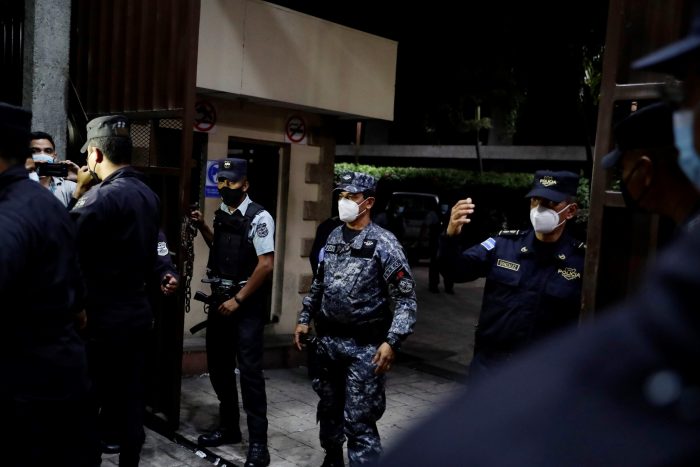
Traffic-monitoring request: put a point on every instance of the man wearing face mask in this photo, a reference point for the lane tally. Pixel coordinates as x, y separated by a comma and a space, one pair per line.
533, 277
117, 222
241, 259
363, 304
44, 152
645, 154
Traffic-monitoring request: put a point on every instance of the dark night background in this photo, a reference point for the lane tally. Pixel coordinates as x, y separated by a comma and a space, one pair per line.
522, 62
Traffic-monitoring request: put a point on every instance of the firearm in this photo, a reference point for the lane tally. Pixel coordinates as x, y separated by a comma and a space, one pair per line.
222, 290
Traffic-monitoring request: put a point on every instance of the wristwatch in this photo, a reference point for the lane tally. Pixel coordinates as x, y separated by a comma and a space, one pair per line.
394, 342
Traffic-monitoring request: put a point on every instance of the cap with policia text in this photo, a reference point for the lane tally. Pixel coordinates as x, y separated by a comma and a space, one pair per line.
356, 182
110, 125
554, 186
232, 169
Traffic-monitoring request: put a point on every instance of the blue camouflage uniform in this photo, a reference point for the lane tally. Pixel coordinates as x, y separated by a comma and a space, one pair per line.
362, 296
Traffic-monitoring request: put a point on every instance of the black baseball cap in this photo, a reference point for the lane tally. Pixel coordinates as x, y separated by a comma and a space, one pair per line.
554, 186
648, 128
232, 169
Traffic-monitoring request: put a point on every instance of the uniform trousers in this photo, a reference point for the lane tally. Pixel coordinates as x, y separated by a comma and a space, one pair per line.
352, 397
237, 340
116, 361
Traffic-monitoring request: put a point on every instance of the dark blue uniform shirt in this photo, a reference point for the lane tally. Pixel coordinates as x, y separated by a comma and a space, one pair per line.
117, 224
532, 288
41, 354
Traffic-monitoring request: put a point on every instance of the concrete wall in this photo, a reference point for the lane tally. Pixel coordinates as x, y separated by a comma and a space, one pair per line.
46, 47
256, 49
298, 210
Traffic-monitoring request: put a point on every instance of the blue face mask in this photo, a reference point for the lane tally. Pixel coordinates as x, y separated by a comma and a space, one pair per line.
688, 158
42, 158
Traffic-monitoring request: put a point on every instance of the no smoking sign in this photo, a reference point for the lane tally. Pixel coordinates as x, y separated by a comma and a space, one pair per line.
295, 130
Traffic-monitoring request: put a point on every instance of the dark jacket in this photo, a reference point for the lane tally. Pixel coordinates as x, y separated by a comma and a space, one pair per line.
532, 288
117, 223
41, 354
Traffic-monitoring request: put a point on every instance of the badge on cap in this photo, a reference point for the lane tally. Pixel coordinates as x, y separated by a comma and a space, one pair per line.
548, 180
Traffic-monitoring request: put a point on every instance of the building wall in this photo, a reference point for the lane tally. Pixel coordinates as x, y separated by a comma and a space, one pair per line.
296, 217
256, 49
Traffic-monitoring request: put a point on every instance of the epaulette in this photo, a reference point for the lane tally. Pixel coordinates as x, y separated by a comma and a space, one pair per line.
511, 233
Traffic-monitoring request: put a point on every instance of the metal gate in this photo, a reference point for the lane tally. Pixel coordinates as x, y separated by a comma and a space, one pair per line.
620, 240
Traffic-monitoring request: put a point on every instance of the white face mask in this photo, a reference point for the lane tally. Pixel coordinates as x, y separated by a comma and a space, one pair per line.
34, 176
545, 220
348, 210
42, 158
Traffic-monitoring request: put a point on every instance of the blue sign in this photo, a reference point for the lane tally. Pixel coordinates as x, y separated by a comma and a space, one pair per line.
210, 188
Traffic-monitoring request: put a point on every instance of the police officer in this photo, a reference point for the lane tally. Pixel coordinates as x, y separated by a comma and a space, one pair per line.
599, 394
363, 303
241, 259
44, 385
533, 276
117, 222
647, 160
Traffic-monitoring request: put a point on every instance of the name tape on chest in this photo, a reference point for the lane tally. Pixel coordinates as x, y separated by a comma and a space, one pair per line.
501, 263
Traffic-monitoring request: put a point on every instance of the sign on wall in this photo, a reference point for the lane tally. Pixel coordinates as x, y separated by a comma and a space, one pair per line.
204, 116
295, 130
210, 188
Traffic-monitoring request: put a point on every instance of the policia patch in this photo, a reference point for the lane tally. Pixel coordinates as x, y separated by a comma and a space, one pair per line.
403, 283
262, 231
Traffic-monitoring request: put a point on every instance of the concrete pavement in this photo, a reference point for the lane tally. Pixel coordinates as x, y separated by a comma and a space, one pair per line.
428, 374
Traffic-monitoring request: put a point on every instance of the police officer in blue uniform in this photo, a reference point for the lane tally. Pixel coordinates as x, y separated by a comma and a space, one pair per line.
621, 390
117, 222
533, 276
241, 259
45, 384
363, 304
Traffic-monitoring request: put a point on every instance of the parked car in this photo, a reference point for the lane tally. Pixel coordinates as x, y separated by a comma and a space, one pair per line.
411, 216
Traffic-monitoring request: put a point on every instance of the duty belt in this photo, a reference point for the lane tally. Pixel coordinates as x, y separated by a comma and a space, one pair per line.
370, 332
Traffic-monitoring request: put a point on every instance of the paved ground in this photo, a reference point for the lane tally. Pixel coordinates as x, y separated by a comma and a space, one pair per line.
433, 361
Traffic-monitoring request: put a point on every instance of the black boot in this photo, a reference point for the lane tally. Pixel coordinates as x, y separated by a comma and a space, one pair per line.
258, 456
334, 457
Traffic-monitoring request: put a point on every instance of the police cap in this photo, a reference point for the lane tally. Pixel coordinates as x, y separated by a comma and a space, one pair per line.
356, 182
232, 169
15, 124
648, 128
554, 186
109, 125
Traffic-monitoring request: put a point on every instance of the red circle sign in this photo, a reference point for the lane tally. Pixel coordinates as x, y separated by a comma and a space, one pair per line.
296, 129
204, 116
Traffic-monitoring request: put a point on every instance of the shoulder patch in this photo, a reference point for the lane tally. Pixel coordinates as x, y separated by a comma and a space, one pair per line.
81, 202
162, 249
489, 243
261, 231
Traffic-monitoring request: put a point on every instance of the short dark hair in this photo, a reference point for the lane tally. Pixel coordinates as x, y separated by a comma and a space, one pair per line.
41, 135
369, 194
14, 147
115, 148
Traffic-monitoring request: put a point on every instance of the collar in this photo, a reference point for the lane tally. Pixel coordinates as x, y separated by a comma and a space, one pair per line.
123, 172
242, 208
559, 249
12, 175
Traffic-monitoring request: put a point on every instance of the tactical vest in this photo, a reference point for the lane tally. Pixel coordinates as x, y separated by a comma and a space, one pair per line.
232, 255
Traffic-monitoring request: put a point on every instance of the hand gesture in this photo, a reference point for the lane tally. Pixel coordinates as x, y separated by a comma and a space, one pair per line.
197, 218
72, 170
459, 216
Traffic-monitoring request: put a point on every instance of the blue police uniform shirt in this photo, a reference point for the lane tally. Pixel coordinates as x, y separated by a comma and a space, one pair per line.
43, 357
532, 288
118, 228
357, 282
262, 227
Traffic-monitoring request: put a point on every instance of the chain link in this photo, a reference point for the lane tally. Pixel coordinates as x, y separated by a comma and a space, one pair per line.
188, 232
